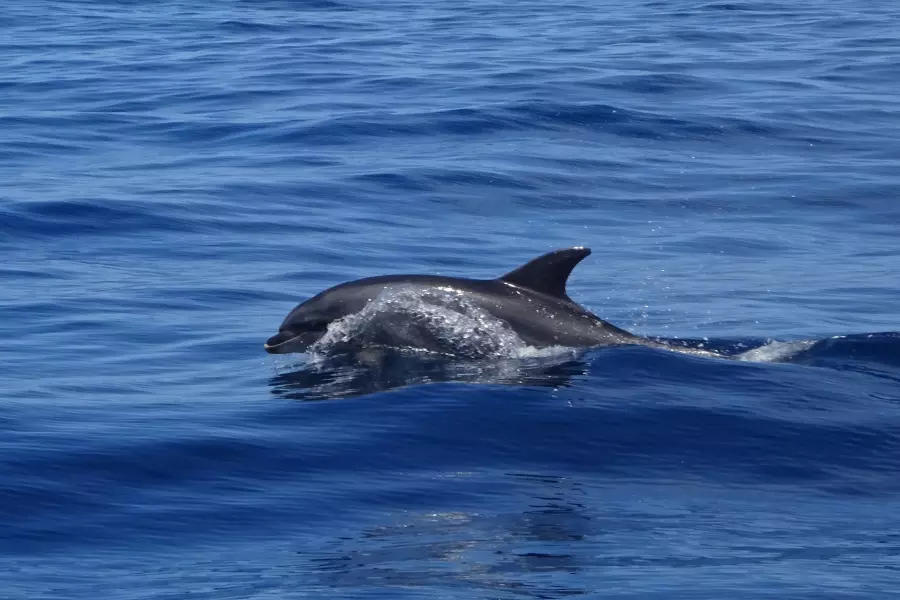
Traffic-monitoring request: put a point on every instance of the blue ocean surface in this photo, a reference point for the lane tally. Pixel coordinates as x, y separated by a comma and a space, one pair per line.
175, 176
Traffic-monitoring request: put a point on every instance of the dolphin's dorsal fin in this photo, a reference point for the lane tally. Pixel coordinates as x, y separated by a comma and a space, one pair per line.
548, 274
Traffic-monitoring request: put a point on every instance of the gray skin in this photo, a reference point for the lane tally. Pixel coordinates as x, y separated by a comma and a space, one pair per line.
531, 299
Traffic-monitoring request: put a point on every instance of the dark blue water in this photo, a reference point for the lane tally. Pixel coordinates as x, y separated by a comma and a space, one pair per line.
176, 176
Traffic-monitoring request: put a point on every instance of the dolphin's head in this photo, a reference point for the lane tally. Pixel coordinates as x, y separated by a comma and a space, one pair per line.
308, 322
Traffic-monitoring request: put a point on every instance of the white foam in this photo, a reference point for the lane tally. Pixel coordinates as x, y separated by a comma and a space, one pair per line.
443, 320
774, 351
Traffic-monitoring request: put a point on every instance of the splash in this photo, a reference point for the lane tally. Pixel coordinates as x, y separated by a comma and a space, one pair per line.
775, 351
430, 322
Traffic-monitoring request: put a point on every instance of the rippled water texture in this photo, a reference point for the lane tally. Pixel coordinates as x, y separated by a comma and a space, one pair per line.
176, 176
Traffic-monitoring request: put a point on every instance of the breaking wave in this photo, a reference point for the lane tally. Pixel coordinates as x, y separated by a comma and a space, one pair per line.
775, 351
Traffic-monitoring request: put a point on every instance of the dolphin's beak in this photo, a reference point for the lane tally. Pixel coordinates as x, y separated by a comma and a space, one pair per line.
285, 342
278, 343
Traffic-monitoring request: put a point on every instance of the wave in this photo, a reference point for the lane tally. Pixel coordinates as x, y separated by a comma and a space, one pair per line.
53, 219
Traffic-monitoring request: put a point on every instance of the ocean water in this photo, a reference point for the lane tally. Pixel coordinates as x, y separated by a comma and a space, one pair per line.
176, 176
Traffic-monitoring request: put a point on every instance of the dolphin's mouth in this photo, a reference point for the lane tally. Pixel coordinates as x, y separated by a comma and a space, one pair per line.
285, 342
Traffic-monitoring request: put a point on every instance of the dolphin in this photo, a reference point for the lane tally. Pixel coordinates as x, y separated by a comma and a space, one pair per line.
531, 300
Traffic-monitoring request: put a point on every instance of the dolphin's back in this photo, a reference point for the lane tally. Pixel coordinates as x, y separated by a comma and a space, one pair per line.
539, 318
